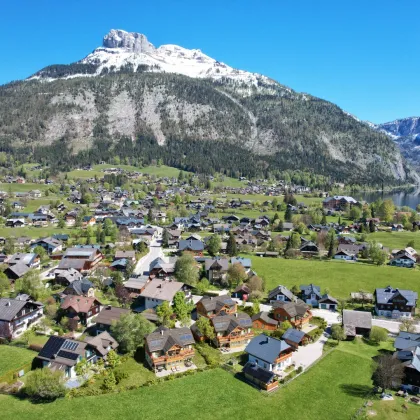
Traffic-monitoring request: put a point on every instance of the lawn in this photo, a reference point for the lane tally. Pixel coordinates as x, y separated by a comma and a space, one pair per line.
339, 277
395, 240
12, 358
33, 232
332, 389
28, 186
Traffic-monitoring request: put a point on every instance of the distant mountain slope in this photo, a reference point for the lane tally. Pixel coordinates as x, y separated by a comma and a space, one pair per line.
197, 111
406, 134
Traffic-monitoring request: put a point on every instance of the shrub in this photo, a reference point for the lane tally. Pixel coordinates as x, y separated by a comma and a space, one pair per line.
44, 385
378, 334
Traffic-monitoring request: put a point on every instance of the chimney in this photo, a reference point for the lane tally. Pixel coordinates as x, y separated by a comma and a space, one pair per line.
236, 315
161, 332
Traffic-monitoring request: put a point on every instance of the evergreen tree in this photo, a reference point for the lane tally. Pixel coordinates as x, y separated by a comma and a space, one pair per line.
231, 248
288, 214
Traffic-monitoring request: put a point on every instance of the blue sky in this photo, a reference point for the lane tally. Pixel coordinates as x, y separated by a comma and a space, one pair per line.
362, 55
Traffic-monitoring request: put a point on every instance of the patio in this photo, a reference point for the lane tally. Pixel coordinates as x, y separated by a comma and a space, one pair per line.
230, 350
173, 371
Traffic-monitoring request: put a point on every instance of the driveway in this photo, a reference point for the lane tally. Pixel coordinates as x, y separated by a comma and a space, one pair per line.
155, 251
330, 317
307, 355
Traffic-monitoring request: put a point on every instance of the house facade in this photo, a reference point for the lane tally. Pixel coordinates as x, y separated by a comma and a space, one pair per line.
297, 313
16, 316
213, 306
395, 303
232, 331
167, 349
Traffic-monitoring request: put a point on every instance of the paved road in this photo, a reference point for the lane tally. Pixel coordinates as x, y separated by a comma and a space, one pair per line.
155, 251
334, 318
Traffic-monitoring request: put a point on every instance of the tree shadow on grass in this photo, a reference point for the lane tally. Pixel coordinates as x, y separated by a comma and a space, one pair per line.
356, 390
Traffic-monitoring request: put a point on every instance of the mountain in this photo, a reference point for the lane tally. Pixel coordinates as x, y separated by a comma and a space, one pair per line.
406, 134
131, 99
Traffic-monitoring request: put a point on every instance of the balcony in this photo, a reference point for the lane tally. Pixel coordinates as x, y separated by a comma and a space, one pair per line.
235, 338
185, 354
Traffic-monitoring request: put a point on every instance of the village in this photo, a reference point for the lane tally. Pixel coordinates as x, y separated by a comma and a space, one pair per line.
123, 279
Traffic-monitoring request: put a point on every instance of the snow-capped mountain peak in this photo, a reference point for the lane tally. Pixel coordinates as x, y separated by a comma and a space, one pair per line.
132, 51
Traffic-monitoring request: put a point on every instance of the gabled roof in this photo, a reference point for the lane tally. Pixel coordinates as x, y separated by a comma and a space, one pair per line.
210, 263
9, 308
162, 289
266, 348
216, 303
246, 262
18, 270
263, 316
102, 343
357, 319
293, 309
293, 335
281, 290
383, 296
309, 289
227, 323
80, 286
62, 350
407, 340
163, 339
191, 244
110, 314
79, 304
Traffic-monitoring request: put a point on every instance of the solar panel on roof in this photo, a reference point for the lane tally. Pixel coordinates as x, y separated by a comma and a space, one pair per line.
186, 337
67, 355
70, 345
155, 342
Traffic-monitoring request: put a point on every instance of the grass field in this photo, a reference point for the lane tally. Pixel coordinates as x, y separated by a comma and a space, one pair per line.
33, 232
396, 240
23, 187
339, 277
14, 357
333, 389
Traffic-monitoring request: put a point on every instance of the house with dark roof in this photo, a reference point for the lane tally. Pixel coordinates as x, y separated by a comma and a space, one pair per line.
395, 303
162, 267
295, 338
169, 349
62, 354
216, 269
356, 323
269, 353
191, 245
50, 245
242, 291
297, 313
17, 315
261, 377
211, 306
410, 358
406, 340
281, 294
81, 258
107, 316
66, 277
232, 331
328, 302
310, 294
403, 259
16, 271
80, 287
262, 321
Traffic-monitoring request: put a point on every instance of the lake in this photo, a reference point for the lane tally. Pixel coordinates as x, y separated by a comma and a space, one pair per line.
401, 198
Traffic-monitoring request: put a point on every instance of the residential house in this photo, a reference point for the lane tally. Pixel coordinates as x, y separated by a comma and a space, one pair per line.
17, 315
81, 258
262, 321
295, 338
261, 377
102, 344
395, 303
310, 294
51, 245
158, 291
212, 306
162, 267
128, 255
29, 259
309, 248
245, 262
339, 202
356, 323
80, 287
191, 245
16, 271
297, 313
66, 277
232, 331
216, 269
81, 309
135, 285
62, 354
403, 259
282, 294
169, 349
345, 255
108, 315
242, 292
269, 353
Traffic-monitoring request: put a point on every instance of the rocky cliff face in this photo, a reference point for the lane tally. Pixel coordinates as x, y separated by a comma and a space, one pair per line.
128, 88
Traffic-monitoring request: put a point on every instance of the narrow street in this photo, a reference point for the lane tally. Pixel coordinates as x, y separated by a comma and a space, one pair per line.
155, 251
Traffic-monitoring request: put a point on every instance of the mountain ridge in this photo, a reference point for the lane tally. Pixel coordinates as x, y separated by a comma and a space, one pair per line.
129, 89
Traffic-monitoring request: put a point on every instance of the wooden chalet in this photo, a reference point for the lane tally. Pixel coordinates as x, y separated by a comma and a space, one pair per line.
212, 306
297, 313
